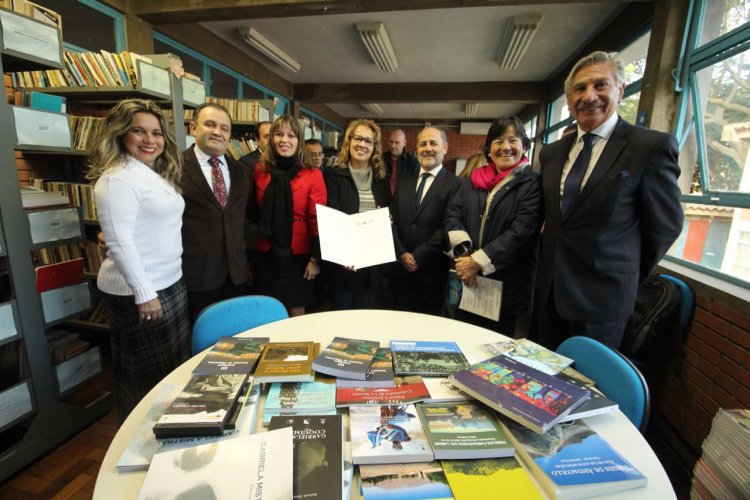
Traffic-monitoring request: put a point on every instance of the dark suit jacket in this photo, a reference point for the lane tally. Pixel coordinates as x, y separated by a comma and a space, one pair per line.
251, 159
623, 222
213, 239
420, 230
407, 165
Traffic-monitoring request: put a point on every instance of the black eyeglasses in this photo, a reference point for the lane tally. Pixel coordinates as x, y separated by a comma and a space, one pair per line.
363, 140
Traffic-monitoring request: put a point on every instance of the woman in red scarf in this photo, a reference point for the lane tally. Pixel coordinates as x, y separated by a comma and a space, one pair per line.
493, 224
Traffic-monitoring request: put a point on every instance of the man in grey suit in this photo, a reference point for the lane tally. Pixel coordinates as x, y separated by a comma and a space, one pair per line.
216, 190
418, 209
612, 210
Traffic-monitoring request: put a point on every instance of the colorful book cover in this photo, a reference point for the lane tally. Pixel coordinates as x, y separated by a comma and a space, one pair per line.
318, 457
258, 466
287, 362
443, 391
387, 434
473, 479
463, 431
572, 461
231, 355
532, 354
380, 373
406, 390
520, 392
202, 408
429, 359
346, 358
416, 481
301, 396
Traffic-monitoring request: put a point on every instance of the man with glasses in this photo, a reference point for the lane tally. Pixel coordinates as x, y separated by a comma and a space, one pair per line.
315, 149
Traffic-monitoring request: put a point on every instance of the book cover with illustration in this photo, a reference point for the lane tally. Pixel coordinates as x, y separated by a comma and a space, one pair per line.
405, 390
520, 392
387, 434
415, 481
463, 431
346, 358
572, 461
231, 355
301, 396
380, 373
532, 354
287, 362
318, 457
473, 479
202, 408
258, 466
429, 359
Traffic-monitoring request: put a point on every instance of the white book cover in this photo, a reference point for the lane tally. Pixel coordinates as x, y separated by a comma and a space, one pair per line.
258, 466
442, 391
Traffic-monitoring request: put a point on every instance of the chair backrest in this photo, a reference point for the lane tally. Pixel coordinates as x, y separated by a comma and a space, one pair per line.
687, 302
614, 375
232, 316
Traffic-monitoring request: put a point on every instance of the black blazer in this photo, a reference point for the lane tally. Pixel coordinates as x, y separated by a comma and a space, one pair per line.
343, 196
511, 233
624, 220
251, 159
420, 230
213, 239
407, 165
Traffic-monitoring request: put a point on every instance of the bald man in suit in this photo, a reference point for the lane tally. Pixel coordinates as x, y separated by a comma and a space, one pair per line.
612, 210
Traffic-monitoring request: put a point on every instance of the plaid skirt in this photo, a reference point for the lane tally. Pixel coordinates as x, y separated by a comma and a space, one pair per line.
142, 355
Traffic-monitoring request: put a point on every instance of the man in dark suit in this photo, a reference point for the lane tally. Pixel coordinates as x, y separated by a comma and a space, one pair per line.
418, 209
398, 163
216, 190
262, 131
612, 210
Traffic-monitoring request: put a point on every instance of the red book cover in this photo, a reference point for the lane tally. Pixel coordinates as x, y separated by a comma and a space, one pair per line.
406, 390
58, 275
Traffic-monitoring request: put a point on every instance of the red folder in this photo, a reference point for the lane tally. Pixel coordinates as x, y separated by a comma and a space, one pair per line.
58, 275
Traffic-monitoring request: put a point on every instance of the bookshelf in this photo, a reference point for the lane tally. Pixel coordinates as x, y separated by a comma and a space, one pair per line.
35, 413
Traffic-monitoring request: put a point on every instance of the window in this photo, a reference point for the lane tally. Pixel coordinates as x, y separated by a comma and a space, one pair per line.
103, 29
530, 127
714, 133
634, 58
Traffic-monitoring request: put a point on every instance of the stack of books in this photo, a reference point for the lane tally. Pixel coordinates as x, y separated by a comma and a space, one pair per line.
722, 471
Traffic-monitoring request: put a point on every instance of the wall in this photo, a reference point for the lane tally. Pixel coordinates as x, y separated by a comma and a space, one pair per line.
459, 146
713, 373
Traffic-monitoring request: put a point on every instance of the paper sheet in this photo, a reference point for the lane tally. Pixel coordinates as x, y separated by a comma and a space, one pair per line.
483, 299
358, 240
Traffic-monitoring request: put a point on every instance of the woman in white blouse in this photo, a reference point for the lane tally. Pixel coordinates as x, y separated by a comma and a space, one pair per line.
137, 168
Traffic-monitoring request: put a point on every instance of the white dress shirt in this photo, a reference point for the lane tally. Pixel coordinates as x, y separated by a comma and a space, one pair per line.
206, 168
430, 179
601, 136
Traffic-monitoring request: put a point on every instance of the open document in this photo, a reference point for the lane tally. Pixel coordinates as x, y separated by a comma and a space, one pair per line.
483, 299
357, 240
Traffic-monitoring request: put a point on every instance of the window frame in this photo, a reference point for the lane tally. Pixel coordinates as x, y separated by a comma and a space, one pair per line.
695, 58
119, 22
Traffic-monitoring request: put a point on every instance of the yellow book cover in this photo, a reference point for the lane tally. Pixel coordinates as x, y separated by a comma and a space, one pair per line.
471, 479
287, 362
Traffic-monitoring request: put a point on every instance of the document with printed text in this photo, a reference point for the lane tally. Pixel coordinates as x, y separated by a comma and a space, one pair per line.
357, 240
483, 299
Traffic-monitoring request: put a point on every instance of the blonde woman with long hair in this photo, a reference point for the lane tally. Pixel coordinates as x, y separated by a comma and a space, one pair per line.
357, 183
137, 167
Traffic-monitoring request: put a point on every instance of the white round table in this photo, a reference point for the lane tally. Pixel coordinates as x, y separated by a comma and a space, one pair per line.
384, 326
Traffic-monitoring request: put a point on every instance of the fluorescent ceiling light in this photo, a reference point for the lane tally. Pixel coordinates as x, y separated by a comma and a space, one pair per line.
375, 38
470, 109
518, 35
373, 108
267, 48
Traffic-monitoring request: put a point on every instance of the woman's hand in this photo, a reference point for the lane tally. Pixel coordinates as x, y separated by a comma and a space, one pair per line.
467, 270
150, 312
312, 269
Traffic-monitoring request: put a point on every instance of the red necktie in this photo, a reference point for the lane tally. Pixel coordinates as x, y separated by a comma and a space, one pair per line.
217, 181
394, 173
